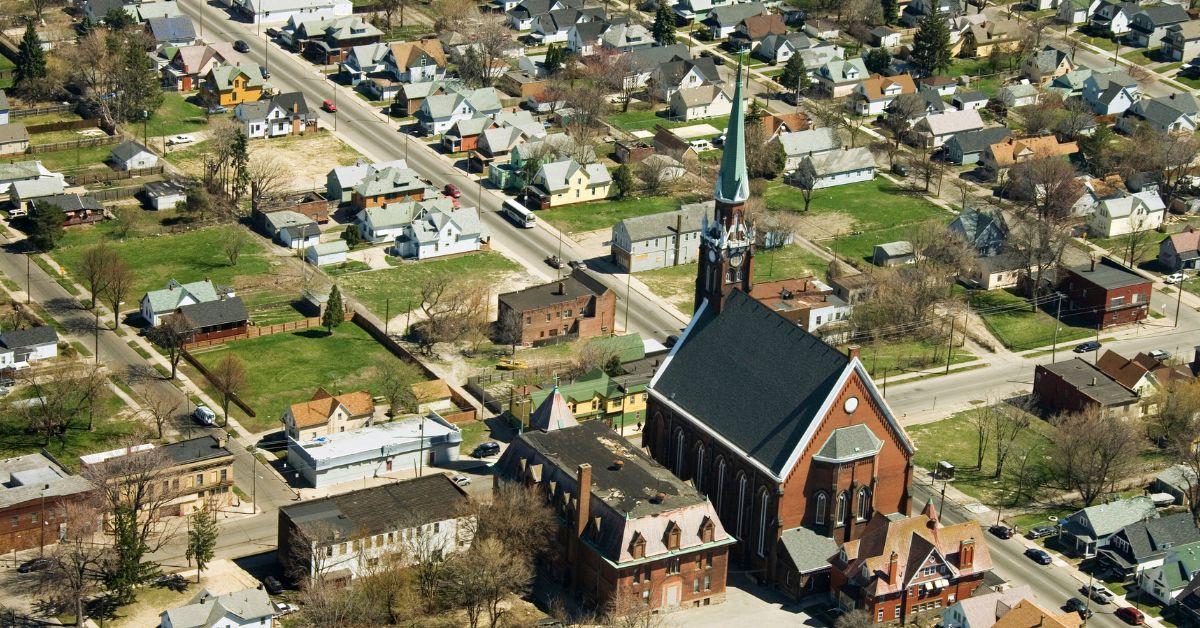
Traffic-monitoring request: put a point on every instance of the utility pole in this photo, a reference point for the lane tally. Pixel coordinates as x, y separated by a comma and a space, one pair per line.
1178, 301
387, 314
949, 358
628, 280
28, 286
1057, 324
96, 333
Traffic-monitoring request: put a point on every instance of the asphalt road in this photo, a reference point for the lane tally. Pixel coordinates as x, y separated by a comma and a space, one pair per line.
1052, 585
361, 125
120, 358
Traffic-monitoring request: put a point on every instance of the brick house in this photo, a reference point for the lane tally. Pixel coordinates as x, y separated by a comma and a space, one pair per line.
33, 492
641, 535
198, 472
1106, 293
576, 306
1076, 385
902, 568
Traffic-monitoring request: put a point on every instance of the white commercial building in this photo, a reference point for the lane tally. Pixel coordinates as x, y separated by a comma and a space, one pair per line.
375, 451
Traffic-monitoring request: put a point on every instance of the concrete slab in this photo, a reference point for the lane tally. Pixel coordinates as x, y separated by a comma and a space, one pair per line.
643, 134
696, 130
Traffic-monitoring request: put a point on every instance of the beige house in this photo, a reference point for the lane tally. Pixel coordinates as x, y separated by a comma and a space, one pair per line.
198, 472
325, 414
567, 181
989, 36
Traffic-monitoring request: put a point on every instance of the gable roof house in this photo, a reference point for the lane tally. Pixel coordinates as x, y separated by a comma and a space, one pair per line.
875, 94
341, 180
1129, 213
1181, 42
292, 229
1149, 25
800, 144
723, 20
21, 171
1110, 92
326, 414
439, 112
934, 130
778, 49
329, 40
1088, 530
672, 76
1169, 580
77, 209
984, 38
248, 607
510, 130
521, 17
986, 609
555, 26
1003, 155
839, 77
984, 231
186, 64
385, 185
834, 168
705, 101
229, 85
384, 223
1114, 16
567, 181
1136, 375
1047, 64
172, 31
1180, 250
21, 347
14, 138
659, 240
1175, 112
158, 303
967, 147
969, 100
1020, 94
282, 114
752, 30
132, 155
441, 230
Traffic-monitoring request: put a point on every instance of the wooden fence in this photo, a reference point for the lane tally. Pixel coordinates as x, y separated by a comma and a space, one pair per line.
105, 175
254, 331
38, 111
88, 142
116, 194
236, 400
63, 125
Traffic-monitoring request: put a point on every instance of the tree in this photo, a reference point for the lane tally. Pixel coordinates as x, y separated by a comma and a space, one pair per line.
229, 378
267, 177
588, 105
84, 28
1009, 421
172, 334
518, 517
126, 220
795, 76
198, 201
1044, 221
663, 29
31, 59
480, 578
490, 41
161, 409
1177, 426
202, 539
857, 618
1139, 239
1094, 450
622, 180
878, 60
235, 241
121, 280
75, 567
509, 328
389, 7
898, 121
138, 84
335, 310
240, 160
891, 11
1043, 115
931, 52
981, 420
46, 225
394, 380
554, 59
95, 268
118, 19
53, 403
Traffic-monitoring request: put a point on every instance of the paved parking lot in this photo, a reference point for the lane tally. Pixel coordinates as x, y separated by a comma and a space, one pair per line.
746, 604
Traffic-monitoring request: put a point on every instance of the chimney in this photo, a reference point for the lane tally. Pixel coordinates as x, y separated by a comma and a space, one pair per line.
584, 497
1196, 357
562, 289
1093, 381
966, 553
893, 568
221, 441
852, 351
1093, 258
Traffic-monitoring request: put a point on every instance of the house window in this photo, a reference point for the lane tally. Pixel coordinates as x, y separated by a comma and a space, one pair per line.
706, 532
841, 509
720, 479
763, 502
698, 478
707, 581
695, 585
896, 613
673, 534
708, 559
819, 511
879, 616
741, 503
224, 475
199, 479
864, 503
673, 566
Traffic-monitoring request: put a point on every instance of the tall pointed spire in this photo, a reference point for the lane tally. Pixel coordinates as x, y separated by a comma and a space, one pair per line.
733, 184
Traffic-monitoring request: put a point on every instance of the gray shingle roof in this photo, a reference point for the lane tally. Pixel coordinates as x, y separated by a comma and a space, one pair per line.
810, 141
219, 312
1153, 537
169, 298
128, 149
977, 141
177, 28
729, 15
1105, 519
839, 161
575, 285
209, 609
661, 225
13, 132
849, 443
33, 336
808, 550
751, 341
386, 508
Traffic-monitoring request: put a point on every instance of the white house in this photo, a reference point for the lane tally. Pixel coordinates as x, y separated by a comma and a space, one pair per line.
282, 114
1166, 581
706, 101
800, 144
1020, 94
1111, 92
248, 607
158, 303
441, 231
1137, 212
834, 168
383, 223
374, 451
14, 172
132, 155
1075, 12
439, 112
1175, 112
21, 347
937, 129
326, 253
270, 11
839, 76
678, 74
341, 181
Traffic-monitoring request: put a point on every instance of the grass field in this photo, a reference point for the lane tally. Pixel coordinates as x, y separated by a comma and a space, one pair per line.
645, 120
1019, 327
287, 368
1119, 246
906, 356
74, 159
581, 217
676, 283
175, 116
402, 283
109, 427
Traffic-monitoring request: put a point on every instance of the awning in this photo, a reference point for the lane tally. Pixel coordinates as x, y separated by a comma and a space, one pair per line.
941, 583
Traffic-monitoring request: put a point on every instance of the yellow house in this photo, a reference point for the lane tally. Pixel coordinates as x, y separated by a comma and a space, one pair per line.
989, 36
594, 395
231, 85
567, 181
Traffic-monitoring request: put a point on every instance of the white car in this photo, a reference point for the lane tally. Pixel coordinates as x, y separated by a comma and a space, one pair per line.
1174, 278
180, 139
701, 145
283, 608
205, 416
460, 479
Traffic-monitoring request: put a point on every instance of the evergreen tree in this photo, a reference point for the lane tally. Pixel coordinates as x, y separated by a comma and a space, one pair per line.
755, 114
118, 19
335, 311
85, 27
931, 45
470, 68
795, 75
554, 58
877, 60
623, 179
891, 11
46, 225
202, 539
352, 237
31, 59
241, 165
663, 29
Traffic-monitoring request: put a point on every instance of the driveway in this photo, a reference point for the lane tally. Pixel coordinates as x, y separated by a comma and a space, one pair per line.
375, 257
746, 604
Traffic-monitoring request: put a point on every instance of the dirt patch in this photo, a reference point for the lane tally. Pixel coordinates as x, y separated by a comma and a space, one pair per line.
307, 158
831, 223
678, 290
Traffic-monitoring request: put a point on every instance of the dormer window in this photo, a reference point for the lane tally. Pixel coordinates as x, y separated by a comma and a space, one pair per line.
672, 536
637, 547
707, 530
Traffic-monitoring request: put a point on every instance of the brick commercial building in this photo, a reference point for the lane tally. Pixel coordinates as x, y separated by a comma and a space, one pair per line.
1106, 293
576, 306
33, 490
1076, 385
641, 534
905, 568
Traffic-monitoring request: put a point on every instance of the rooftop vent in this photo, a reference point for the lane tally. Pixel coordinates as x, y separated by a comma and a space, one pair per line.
658, 498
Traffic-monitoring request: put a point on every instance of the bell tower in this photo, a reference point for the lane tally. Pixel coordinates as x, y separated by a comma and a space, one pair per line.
727, 241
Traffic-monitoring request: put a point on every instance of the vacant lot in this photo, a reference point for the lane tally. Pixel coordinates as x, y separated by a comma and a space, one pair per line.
308, 158
176, 115
74, 159
1014, 323
287, 368
582, 217
898, 357
402, 284
112, 422
638, 119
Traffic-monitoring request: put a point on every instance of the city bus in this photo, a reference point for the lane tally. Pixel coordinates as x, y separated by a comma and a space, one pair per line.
517, 213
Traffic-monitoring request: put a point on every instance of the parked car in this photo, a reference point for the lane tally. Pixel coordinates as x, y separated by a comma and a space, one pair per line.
272, 32
701, 145
1090, 345
1039, 556
265, 73
1131, 615
452, 191
180, 139
671, 340
483, 450
205, 416
1079, 606
577, 264
328, 105
460, 479
554, 261
36, 564
272, 585
283, 608
1040, 532
1098, 593
241, 46
900, 169
1160, 354
1001, 531
217, 109
1174, 278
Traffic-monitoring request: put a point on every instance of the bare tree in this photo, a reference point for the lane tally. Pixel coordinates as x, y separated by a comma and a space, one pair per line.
453, 16
1043, 220
1177, 425
479, 579
490, 38
268, 176
121, 280
1093, 451
898, 122
453, 308
1043, 115
508, 329
56, 402
95, 269
172, 335
1009, 422
1140, 238
628, 611
394, 380
76, 565
981, 420
658, 173
235, 241
161, 409
588, 105
228, 376
854, 619
518, 517
126, 220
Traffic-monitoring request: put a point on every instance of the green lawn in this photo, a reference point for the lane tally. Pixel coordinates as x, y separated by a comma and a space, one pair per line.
1019, 327
473, 433
969, 67
590, 216
676, 283
1144, 57
109, 426
1119, 246
904, 356
190, 256
1104, 43
287, 368
1193, 83
175, 116
645, 119
74, 159
402, 284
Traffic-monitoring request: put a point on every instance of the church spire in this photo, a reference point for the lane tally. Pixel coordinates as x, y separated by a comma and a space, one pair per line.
733, 184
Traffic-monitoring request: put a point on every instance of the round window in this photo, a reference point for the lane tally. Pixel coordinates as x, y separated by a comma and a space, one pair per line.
851, 405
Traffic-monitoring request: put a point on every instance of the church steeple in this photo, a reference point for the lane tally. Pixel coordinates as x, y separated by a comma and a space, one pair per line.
727, 242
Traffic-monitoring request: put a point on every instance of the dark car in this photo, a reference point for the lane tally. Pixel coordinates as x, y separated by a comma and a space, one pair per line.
1040, 532
1039, 556
900, 169
671, 340
1090, 345
1001, 531
36, 564
272, 585
265, 73
483, 450
577, 264
1079, 606
1131, 615
241, 46
451, 190
554, 261
272, 32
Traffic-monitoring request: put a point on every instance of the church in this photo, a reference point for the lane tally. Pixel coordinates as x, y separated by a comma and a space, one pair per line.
787, 436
